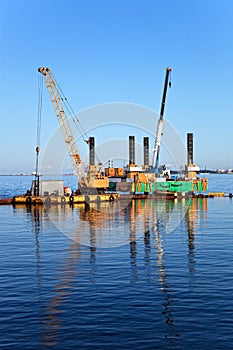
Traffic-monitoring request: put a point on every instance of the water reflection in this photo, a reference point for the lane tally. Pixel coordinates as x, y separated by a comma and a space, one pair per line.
193, 209
158, 230
147, 245
141, 223
92, 259
51, 320
36, 226
62, 292
196, 210
131, 211
115, 223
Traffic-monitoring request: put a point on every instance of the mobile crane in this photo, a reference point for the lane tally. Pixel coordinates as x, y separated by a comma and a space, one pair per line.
155, 162
94, 180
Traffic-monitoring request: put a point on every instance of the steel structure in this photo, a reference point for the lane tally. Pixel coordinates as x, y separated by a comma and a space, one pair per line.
63, 121
160, 123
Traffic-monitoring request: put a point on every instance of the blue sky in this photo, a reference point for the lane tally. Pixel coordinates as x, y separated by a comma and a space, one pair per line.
117, 51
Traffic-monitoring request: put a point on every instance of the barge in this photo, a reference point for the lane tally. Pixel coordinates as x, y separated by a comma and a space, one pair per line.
109, 184
54, 192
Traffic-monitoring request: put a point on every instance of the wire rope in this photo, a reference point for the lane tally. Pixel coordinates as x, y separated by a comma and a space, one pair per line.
39, 112
71, 112
73, 116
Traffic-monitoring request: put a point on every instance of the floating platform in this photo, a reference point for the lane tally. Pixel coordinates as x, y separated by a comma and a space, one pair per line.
6, 201
218, 194
62, 199
162, 185
109, 197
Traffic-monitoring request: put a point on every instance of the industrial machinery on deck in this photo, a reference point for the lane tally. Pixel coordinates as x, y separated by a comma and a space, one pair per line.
152, 178
95, 185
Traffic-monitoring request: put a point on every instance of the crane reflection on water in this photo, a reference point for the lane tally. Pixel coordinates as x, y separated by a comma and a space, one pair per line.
145, 224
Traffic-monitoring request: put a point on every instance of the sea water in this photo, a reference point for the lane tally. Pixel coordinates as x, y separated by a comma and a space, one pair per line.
132, 275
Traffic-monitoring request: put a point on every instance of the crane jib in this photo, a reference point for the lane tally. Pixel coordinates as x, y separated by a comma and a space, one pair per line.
62, 118
160, 123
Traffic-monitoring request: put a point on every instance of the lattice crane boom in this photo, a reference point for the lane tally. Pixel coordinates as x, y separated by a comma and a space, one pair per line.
63, 121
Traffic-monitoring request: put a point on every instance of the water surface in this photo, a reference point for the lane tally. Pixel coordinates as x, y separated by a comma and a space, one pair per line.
67, 282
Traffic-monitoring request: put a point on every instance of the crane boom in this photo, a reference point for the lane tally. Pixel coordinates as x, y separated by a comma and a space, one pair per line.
63, 121
160, 123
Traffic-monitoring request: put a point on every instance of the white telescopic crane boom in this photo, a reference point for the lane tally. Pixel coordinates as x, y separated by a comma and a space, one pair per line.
160, 124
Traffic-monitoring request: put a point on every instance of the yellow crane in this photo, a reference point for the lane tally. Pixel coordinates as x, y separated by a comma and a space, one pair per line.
94, 179
56, 100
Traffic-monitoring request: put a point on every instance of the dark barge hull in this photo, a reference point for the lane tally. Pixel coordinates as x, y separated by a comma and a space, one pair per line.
150, 196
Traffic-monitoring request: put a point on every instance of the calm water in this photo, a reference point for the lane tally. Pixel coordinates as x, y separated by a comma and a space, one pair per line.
140, 275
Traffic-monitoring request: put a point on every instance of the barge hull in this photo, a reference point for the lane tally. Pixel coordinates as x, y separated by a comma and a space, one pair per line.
28, 200
106, 198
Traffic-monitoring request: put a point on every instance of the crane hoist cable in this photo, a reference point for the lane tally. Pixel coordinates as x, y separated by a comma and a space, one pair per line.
73, 116
71, 112
39, 113
38, 134
61, 105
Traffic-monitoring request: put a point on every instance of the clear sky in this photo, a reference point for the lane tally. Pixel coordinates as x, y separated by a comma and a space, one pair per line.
117, 51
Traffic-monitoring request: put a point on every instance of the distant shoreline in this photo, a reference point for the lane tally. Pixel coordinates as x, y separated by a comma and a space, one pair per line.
17, 175
34, 175
172, 172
